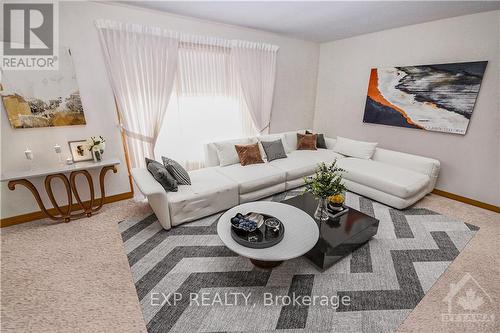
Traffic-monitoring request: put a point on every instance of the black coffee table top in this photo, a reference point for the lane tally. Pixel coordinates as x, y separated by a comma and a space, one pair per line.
338, 237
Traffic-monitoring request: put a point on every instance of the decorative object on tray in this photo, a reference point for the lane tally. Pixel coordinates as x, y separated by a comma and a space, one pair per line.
325, 183
336, 202
96, 145
337, 212
256, 230
79, 150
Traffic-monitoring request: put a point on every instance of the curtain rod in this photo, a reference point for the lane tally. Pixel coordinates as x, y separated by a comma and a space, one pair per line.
182, 36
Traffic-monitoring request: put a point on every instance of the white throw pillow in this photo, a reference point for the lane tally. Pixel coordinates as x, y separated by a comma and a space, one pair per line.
291, 139
354, 148
227, 152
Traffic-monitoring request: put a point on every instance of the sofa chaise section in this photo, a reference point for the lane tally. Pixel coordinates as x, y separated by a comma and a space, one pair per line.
393, 178
210, 193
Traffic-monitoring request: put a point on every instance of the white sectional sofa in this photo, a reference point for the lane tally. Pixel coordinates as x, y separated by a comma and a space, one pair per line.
393, 178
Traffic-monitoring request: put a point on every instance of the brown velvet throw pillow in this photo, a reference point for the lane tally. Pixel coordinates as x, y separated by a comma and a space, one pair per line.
306, 141
249, 154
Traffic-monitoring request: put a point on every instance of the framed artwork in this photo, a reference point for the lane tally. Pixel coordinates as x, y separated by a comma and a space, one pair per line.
80, 151
43, 98
429, 97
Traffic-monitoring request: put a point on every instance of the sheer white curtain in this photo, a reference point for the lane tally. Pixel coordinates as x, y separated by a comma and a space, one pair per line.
255, 66
142, 64
207, 104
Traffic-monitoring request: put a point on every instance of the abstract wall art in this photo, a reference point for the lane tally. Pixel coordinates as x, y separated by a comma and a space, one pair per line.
43, 98
429, 97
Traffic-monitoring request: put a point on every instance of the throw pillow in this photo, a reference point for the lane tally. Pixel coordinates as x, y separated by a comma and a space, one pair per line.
162, 176
249, 154
306, 141
274, 137
226, 153
274, 149
354, 148
320, 141
180, 174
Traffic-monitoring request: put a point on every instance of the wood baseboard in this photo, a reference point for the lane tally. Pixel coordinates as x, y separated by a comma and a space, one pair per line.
467, 200
40, 215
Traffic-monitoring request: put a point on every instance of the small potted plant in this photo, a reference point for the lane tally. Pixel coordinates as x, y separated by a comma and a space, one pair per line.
326, 183
96, 146
336, 202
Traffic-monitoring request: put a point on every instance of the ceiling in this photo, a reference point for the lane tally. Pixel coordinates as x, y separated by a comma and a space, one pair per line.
320, 21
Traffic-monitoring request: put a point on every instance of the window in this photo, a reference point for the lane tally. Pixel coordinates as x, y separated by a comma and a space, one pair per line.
205, 106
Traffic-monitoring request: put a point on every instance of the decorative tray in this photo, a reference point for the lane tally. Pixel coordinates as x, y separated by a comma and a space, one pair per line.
262, 232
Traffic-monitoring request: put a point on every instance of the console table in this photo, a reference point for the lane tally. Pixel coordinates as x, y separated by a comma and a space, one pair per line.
60, 172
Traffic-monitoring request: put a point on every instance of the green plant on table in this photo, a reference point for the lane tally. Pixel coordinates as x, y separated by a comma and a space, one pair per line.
326, 181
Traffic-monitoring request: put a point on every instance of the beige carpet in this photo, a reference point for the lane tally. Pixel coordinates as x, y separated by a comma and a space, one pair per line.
75, 276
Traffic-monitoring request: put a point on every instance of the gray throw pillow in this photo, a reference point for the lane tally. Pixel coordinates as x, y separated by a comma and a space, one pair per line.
320, 140
274, 149
180, 174
162, 176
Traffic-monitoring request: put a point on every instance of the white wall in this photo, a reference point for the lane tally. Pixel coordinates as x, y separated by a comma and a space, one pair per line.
293, 106
470, 163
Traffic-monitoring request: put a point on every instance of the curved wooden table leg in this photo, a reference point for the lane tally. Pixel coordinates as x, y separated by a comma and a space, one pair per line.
72, 178
48, 187
26, 183
70, 186
102, 174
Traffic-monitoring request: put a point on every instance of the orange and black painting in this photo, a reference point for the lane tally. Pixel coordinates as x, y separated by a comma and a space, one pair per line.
429, 97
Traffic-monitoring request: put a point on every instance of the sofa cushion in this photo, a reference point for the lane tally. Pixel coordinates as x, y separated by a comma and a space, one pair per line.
226, 152
325, 155
249, 154
209, 193
253, 177
177, 171
355, 148
291, 138
297, 164
274, 149
161, 175
306, 141
320, 140
390, 179
274, 137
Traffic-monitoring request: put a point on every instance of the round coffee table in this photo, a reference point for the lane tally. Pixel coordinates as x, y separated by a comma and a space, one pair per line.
301, 233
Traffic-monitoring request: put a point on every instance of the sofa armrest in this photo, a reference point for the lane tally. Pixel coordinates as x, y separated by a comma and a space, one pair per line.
420, 164
146, 182
156, 194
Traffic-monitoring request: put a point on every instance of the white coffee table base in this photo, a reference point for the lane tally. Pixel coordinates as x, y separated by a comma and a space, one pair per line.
301, 233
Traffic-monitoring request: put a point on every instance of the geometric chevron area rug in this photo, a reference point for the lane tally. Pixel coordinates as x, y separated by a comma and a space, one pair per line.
188, 281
